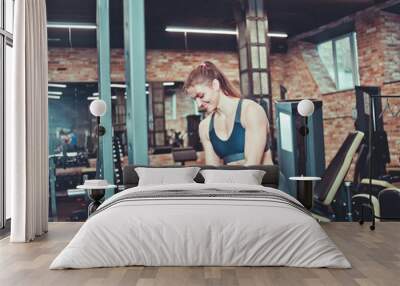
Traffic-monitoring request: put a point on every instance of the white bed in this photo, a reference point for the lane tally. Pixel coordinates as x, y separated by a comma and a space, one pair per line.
234, 229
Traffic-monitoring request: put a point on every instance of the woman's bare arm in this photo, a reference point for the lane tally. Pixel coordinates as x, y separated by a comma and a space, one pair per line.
256, 123
210, 156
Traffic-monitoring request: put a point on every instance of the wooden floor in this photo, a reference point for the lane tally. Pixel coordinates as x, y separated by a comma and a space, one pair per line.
375, 257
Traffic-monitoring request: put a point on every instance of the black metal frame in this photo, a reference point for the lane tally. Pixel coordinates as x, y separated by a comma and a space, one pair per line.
370, 155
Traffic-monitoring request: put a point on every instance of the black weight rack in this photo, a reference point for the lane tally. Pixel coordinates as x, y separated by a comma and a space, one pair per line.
370, 155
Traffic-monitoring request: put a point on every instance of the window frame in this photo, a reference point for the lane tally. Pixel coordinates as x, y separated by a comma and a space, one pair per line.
6, 39
354, 59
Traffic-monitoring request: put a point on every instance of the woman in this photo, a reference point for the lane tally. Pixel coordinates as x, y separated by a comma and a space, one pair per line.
236, 130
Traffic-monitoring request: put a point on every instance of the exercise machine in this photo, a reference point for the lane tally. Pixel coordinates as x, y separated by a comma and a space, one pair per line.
331, 201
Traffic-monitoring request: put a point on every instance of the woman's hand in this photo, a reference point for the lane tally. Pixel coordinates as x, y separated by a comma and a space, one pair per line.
210, 155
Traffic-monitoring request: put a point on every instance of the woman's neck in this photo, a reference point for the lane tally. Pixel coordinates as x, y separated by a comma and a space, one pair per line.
227, 105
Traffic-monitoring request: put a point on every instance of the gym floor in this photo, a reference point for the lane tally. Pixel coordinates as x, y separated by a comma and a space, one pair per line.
374, 255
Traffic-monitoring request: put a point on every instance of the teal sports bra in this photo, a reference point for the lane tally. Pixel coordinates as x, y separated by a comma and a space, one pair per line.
232, 149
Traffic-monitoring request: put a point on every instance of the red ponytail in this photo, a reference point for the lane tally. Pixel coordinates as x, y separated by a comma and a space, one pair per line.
207, 72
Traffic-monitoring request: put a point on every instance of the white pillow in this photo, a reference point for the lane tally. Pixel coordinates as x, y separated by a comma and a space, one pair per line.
163, 176
248, 177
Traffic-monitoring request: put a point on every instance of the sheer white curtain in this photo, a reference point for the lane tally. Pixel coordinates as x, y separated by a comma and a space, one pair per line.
26, 121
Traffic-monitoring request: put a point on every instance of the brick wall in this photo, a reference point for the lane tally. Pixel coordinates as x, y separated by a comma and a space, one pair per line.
391, 40
369, 26
80, 64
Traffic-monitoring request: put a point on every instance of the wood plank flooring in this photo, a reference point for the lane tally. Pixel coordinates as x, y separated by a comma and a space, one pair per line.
375, 257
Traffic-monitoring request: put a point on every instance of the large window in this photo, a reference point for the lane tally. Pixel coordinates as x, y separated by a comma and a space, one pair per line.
339, 57
6, 43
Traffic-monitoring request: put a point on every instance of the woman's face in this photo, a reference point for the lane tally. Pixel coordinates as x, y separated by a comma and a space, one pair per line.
206, 96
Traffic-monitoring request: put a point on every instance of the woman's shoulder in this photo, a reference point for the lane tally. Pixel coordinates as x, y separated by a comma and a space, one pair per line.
249, 105
252, 111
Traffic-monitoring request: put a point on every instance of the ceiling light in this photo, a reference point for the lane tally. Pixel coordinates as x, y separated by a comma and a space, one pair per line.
200, 30
54, 93
92, 97
57, 85
114, 97
118, 85
95, 94
63, 25
54, 97
216, 31
277, 35
168, 83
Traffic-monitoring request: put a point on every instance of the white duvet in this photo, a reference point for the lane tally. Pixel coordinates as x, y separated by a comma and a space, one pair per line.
200, 231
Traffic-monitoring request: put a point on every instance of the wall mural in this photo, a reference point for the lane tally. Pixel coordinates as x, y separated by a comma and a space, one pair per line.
211, 106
